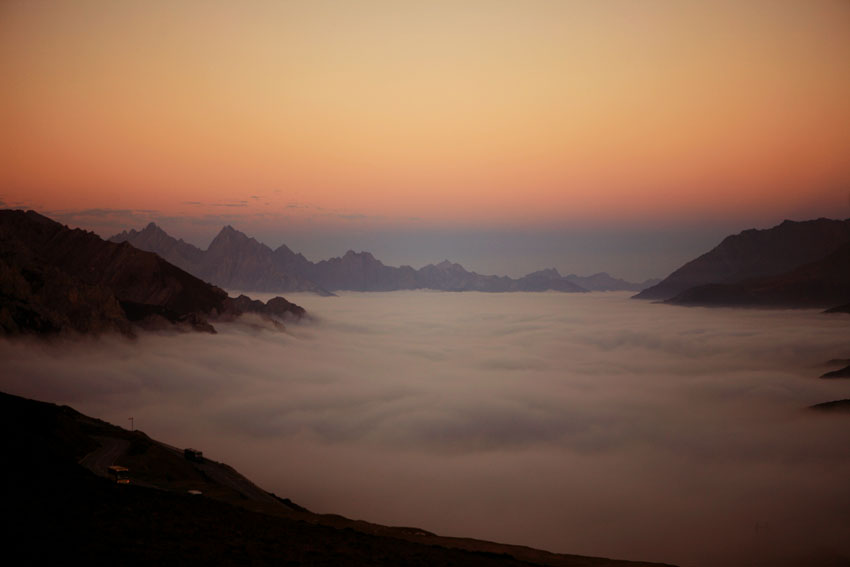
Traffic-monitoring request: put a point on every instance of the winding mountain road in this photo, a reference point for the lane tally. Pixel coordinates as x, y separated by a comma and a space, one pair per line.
99, 460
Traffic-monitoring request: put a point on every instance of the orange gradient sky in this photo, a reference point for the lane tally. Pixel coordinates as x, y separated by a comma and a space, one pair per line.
456, 113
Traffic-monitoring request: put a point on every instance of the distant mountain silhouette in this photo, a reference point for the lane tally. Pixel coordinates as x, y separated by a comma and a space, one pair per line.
55, 279
546, 279
794, 264
605, 282
235, 261
360, 271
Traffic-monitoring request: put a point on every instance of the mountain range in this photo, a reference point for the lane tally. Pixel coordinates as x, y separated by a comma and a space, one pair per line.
792, 265
233, 260
54, 279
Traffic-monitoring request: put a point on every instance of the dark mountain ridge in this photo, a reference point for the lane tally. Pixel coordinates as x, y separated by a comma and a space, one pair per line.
755, 254
55, 279
235, 261
818, 284
794, 264
59, 503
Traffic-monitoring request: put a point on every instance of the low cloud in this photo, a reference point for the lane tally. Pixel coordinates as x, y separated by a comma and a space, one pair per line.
586, 423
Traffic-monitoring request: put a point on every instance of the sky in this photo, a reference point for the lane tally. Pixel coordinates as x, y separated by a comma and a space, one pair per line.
509, 136
578, 423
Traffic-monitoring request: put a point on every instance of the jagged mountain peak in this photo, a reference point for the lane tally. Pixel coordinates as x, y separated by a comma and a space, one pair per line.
153, 229
230, 232
228, 236
364, 255
152, 235
284, 249
235, 260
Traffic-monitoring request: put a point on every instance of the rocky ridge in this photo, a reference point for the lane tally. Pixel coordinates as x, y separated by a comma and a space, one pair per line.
54, 279
793, 265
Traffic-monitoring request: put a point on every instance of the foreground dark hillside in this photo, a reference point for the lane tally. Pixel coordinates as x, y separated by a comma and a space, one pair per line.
54, 279
57, 510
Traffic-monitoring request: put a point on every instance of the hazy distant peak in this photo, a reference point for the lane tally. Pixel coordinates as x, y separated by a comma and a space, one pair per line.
151, 230
603, 281
236, 260
447, 265
353, 254
229, 240
284, 249
230, 233
545, 273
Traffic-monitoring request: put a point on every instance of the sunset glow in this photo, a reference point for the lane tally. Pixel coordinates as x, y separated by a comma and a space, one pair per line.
499, 114
447, 282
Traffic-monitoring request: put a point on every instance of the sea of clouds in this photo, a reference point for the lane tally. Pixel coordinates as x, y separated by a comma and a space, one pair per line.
578, 423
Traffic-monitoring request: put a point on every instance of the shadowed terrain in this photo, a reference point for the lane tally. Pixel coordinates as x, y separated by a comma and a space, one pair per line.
54, 279
50, 495
794, 264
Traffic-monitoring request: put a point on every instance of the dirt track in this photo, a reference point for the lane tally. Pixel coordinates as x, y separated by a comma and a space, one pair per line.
99, 460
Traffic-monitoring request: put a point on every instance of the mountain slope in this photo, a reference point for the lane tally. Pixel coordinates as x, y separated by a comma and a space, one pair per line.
756, 254
823, 283
233, 260
153, 239
58, 505
55, 279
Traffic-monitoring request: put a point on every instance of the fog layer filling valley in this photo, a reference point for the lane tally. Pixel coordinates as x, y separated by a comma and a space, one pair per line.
577, 423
